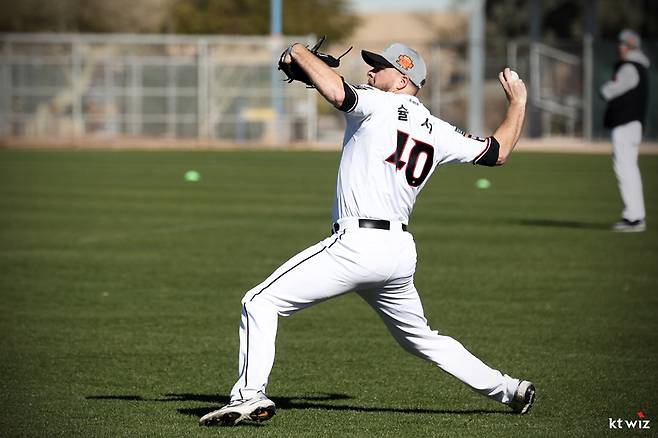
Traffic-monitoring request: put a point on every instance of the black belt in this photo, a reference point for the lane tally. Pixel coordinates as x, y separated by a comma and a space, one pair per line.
372, 223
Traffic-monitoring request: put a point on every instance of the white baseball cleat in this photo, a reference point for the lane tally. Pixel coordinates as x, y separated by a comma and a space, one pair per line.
524, 397
258, 409
626, 226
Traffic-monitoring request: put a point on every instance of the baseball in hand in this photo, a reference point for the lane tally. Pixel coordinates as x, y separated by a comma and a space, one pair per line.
513, 75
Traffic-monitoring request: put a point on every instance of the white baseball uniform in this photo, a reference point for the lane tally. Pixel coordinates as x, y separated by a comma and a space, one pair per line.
392, 145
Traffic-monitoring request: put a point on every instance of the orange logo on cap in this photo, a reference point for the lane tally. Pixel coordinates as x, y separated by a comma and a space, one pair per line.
405, 62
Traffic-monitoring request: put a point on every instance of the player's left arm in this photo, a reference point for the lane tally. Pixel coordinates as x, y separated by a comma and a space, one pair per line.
324, 78
625, 80
509, 131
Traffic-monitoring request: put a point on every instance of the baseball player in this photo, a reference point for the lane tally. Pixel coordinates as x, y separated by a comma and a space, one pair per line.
392, 145
627, 96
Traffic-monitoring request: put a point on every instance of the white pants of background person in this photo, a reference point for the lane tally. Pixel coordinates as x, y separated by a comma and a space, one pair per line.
626, 141
379, 265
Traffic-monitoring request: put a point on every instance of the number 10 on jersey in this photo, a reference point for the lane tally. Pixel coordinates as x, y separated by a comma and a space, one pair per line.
414, 177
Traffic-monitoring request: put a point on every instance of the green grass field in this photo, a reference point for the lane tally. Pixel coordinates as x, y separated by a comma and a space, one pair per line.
121, 285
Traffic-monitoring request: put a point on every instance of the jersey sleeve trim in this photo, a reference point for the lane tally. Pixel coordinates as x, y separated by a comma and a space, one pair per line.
351, 99
489, 155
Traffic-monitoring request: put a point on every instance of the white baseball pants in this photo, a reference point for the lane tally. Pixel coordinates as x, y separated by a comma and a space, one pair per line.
626, 141
377, 264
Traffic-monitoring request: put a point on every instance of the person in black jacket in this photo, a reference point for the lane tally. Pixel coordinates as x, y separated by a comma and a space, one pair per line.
627, 95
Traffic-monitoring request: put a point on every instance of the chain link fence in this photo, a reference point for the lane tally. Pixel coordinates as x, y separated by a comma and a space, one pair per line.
226, 88
215, 88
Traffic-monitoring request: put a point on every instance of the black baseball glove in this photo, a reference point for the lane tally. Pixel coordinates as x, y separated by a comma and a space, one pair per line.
294, 72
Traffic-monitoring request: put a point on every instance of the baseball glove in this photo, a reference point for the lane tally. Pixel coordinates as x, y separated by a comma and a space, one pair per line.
294, 72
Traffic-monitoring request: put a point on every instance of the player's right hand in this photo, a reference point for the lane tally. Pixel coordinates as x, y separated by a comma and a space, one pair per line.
515, 89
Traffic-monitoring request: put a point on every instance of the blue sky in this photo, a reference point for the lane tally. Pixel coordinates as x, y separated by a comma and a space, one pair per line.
406, 5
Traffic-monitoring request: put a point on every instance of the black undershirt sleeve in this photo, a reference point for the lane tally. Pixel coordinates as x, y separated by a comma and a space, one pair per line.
350, 100
490, 156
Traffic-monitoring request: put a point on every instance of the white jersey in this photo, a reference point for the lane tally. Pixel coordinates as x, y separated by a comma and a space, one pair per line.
391, 147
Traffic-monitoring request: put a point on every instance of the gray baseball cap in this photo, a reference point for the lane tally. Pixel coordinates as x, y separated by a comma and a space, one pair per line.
630, 38
402, 58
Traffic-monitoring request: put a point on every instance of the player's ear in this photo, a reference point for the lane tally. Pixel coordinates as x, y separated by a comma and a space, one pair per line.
403, 82
408, 84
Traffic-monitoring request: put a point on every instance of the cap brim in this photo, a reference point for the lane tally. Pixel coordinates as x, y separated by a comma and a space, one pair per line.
375, 60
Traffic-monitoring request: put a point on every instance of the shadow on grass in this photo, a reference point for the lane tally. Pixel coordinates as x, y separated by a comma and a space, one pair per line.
323, 401
561, 224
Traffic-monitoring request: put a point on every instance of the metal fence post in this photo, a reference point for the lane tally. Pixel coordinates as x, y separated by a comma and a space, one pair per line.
6, 110
202, 89
112, 124
281, 129
535, 91
588, 60
171, 99
476, 67
135, 96
76, 89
